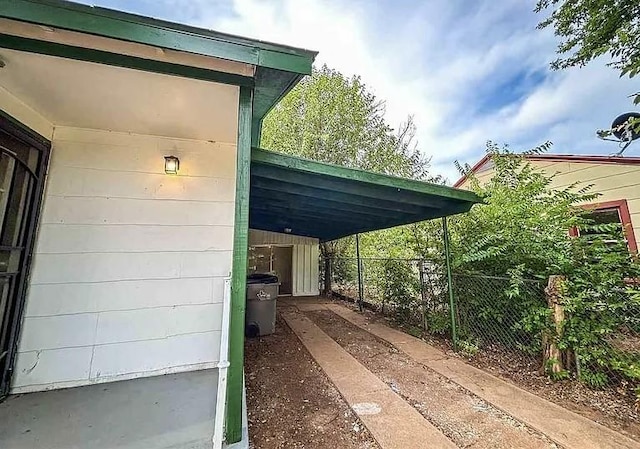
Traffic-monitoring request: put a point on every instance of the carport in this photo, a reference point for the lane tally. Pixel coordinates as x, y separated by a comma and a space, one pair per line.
291, 195
313, 199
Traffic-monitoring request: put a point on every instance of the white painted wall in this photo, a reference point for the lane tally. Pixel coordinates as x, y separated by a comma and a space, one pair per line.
25, 114
128, 274
305, 264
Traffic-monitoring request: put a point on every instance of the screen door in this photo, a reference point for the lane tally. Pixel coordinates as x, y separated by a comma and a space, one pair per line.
23, 158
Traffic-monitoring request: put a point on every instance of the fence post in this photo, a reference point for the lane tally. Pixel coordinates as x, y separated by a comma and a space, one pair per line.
452, 305
552, 355
422, 294
360, 286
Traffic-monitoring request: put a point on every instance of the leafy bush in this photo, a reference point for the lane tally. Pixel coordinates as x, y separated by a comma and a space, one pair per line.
601, 305
400, 289
468, 348
438, 322
523, 232
522, 228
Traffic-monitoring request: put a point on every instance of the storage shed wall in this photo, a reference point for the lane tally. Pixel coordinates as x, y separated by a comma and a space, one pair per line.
305, 258
128, 274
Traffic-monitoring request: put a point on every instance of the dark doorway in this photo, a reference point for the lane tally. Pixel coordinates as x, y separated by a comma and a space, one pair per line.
273, 259
23, 160
282, 267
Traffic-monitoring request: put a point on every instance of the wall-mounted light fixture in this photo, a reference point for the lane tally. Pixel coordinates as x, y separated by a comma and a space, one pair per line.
171, 165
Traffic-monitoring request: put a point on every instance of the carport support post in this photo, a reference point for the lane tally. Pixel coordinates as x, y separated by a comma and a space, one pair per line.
360, 286
239, 271
452, 304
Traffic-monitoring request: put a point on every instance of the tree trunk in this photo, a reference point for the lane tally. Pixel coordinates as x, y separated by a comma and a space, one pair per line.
327, 269
553, 357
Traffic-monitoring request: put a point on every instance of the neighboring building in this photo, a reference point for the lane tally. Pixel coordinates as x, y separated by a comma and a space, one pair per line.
128, 183
616, 179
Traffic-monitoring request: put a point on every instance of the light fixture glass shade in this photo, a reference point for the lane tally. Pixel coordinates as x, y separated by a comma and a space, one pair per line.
171, 165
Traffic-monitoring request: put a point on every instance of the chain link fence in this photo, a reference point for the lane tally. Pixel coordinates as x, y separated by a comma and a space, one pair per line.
413, 291
503, 324
600, 341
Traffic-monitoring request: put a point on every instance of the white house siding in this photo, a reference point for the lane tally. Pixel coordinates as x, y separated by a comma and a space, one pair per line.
128, 274
305, 270
305, 258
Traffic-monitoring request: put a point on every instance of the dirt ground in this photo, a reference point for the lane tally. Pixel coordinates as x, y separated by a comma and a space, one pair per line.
466, 419
291, 403
611, 408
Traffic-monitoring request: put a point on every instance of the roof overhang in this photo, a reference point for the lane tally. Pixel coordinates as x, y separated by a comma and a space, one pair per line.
313, 199
275, 69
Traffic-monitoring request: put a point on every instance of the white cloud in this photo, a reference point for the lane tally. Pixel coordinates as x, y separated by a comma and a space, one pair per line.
437, 60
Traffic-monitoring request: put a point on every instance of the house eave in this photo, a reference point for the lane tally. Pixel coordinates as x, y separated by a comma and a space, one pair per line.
277, 67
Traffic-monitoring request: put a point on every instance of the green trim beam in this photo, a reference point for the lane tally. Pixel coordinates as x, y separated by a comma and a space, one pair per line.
239, 271
264, 157
452, 302
119, 60
308, 198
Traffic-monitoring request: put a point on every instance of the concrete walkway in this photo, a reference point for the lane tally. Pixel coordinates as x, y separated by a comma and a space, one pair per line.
566, 428
391, 420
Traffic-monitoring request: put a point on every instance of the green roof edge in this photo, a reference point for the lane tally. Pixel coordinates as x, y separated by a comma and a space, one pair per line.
278, 67
150, 31
263, 156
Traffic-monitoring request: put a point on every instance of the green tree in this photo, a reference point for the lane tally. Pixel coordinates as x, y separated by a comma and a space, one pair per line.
332, 118
523, 227
591, 28
522, 231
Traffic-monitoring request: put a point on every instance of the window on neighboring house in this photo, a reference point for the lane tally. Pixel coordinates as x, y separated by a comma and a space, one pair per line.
611, 212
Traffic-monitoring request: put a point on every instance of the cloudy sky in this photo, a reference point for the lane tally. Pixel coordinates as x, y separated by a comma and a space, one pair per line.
468, 71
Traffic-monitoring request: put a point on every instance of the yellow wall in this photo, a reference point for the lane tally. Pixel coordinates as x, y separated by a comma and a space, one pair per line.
612, 181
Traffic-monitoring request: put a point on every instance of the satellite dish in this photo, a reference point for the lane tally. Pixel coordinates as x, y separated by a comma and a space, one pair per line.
622, 129
625, 128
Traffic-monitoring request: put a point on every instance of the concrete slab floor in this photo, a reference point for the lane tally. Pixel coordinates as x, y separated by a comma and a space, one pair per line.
174, 411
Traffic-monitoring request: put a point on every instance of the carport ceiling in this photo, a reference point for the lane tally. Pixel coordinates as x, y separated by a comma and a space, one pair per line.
303, 197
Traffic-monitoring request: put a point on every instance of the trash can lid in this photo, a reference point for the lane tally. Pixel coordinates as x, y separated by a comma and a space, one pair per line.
262, 278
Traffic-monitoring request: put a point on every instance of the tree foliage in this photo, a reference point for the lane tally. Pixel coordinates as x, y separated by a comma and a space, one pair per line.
523, 225
330, 118
522, 231
591, 28
602, 303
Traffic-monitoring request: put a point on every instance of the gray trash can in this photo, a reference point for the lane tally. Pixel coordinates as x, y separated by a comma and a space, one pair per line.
262, 293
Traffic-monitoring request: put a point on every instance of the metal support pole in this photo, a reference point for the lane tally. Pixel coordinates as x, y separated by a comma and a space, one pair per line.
423, 295
360, 286
452, 305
